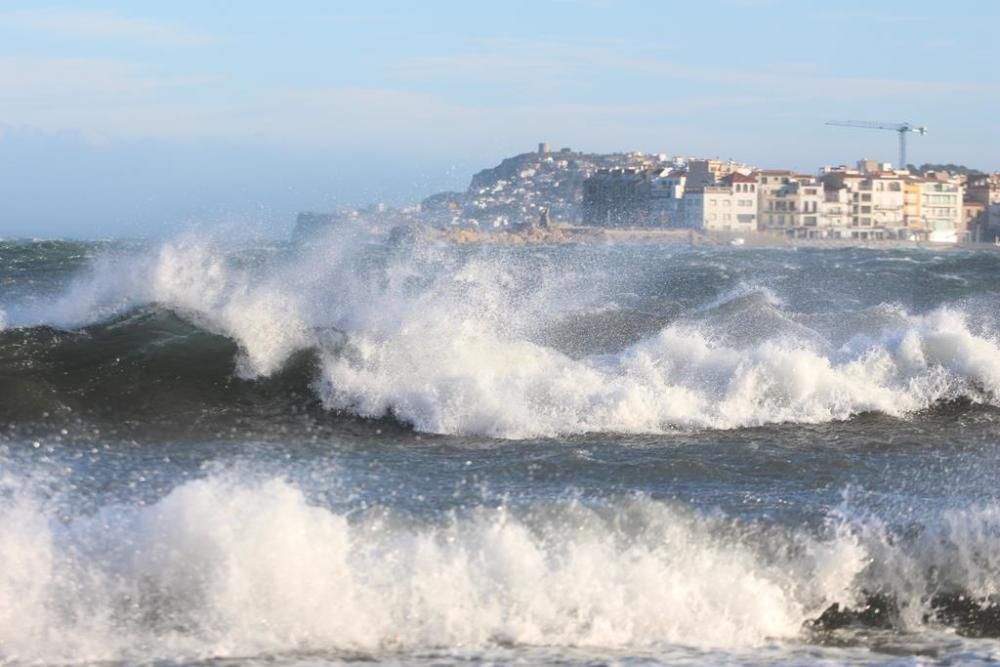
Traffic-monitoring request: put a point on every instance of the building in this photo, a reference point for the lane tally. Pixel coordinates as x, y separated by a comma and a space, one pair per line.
941, 213
667, 189
875, 199
974, 221
789, 203
912, 212
617, 198
985, 190
711, 172
729, 205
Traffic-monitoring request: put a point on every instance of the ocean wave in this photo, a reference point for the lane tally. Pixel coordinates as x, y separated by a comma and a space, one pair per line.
677, 379
227, 566
457, 342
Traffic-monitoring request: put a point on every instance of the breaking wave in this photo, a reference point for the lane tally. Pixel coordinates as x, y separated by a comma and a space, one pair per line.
225, 566
462, 341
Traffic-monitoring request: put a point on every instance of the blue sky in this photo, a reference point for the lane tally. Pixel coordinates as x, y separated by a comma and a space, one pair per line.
138, 119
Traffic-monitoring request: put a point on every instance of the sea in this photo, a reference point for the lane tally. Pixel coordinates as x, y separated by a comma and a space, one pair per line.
216, 451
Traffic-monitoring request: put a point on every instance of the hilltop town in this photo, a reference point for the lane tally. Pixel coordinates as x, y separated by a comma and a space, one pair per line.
545, 191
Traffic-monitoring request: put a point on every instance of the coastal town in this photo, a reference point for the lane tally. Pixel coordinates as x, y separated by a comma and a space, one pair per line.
549, 189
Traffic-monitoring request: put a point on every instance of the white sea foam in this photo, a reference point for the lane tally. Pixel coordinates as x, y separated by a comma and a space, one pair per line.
224, 567
450, 342
193, 277
480, 383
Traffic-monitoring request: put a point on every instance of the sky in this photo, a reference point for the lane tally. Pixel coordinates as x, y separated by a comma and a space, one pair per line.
124, 119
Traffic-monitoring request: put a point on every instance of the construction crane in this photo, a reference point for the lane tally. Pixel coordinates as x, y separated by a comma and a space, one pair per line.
902, 129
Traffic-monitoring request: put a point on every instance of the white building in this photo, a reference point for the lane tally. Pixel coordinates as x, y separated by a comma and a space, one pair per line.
876, 200
729, 205
666, 197
941, 210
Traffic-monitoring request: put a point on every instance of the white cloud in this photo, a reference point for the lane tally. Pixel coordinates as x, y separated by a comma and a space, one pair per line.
104, 25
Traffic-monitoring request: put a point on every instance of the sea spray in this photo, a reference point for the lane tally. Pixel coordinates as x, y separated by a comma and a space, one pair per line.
224, 567
458, 341
679, 378
229, 565
184, 476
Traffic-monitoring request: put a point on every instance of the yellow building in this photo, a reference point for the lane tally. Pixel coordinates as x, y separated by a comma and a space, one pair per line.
912, 196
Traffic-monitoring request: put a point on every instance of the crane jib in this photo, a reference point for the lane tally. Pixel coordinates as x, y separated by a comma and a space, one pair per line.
900, 128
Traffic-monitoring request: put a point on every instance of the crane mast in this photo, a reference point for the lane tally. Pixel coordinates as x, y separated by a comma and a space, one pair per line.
902, 129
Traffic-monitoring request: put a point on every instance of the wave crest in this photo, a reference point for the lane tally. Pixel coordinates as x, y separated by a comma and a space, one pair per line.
226, 566
460, 342
679, 378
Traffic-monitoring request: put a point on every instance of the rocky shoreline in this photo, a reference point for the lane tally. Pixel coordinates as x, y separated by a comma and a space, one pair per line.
560, 233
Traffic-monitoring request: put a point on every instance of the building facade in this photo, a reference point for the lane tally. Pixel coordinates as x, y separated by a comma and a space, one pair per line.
727, 206
941, 212
985, 190
790, 204
667, 197
875, 202
711, 172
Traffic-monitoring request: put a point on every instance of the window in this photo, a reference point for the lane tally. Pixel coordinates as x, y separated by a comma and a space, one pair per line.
866, 197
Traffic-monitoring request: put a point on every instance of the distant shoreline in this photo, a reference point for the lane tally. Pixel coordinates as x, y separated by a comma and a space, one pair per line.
561, 233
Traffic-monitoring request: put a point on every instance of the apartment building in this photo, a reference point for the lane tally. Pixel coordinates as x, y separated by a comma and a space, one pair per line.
876, 202
941, 212
974, 221
790, 203
912, 198
985, 190
729, 205
667, 189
